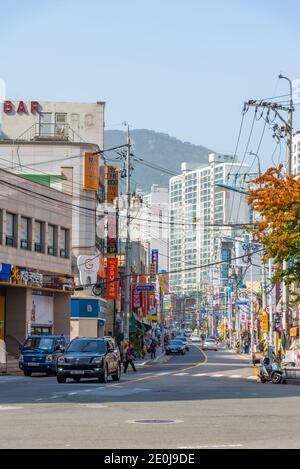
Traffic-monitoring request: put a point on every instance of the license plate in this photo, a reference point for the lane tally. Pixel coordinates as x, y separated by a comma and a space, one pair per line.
77, 372
33, 364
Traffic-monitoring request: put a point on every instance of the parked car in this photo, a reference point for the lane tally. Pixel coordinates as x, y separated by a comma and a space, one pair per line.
175, 346
210, 344
90, 358
187, 332
39, 353
184, 341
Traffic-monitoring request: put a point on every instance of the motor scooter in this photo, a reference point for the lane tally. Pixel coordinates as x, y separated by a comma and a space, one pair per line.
270, 371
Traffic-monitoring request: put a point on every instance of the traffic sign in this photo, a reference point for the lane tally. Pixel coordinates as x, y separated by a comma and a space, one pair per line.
144, 287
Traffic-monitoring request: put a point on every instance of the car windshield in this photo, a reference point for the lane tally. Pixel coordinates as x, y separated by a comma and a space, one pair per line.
175, 342
181, 339
39, 343
85, 345
210, 340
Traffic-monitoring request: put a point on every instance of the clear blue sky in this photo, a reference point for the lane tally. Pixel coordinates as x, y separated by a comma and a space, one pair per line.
178, 66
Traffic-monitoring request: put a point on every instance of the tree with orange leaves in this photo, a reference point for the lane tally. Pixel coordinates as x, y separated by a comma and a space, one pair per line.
277, 199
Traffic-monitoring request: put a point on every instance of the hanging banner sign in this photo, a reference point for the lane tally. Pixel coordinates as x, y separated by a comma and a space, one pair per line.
264, 323
91, 171
112, 184
112, 278
154, 258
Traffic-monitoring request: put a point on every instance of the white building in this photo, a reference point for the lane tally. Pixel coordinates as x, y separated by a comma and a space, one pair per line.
200, 213
296, 153
156, 225
47, 142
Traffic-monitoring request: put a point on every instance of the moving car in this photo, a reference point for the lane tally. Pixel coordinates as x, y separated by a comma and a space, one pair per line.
39, 353
184, 341
210, 344
175, 346
187, 332
89, 358
195, 338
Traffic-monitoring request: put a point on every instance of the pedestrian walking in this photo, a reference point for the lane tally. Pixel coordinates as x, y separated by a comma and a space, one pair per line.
153, 349
129, 357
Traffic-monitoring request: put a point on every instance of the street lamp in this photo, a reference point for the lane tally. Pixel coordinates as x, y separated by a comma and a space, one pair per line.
258, 161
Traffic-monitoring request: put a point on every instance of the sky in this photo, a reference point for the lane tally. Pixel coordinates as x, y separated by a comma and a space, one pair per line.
183, 67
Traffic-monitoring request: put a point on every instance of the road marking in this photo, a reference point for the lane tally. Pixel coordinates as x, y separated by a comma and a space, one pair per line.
54, 397
209, 446
180, 374
201, 374
39, 399
251, 377
87, 390
10, 408
235, 376
217, 376
72, 393
164, 373
93, 406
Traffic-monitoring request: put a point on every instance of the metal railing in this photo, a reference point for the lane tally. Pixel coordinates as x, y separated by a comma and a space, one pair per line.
50, 132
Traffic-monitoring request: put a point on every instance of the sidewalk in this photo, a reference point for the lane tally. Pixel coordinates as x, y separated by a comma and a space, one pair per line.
160, 358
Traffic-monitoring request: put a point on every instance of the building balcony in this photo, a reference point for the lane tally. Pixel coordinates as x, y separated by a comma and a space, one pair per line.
39, 132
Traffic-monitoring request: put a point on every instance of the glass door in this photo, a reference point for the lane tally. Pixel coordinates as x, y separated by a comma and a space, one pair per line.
45, 124
61, 127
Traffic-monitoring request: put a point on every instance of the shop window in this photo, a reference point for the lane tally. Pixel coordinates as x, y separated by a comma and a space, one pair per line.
24, 231
38, 236
64, 242
11, 224
51, 240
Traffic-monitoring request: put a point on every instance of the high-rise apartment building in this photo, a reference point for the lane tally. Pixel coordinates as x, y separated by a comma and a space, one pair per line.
203, 217
296, 153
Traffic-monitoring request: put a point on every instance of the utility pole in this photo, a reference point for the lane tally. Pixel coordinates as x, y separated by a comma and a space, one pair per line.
285, 289
289, 132
127, 246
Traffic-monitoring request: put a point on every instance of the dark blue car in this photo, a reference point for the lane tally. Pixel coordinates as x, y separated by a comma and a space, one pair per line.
39, 353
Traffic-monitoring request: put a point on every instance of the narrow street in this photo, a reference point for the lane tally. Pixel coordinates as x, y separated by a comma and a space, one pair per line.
210, 400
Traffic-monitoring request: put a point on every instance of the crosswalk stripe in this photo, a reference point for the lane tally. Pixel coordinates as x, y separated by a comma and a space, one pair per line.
217, 376
235, 376
164, 373
200, 374
180, 374
251, 377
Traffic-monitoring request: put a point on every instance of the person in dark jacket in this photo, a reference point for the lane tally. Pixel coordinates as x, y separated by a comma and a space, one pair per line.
129, 357
153, 349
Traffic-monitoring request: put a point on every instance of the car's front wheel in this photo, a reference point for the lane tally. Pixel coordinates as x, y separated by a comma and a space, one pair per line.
27, 373
61, 379
117, 375
104, 376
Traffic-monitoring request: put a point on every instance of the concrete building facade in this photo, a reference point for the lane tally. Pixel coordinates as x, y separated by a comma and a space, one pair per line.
35, 260
51, 139
156, 225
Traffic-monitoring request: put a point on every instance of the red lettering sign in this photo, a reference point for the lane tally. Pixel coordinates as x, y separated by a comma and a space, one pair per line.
22, 108
34, 107
8, 106
112, 278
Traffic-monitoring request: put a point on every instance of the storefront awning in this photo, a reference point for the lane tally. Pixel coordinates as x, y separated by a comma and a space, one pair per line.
137, 326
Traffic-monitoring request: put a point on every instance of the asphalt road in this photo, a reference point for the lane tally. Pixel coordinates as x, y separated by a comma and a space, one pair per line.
207, 401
